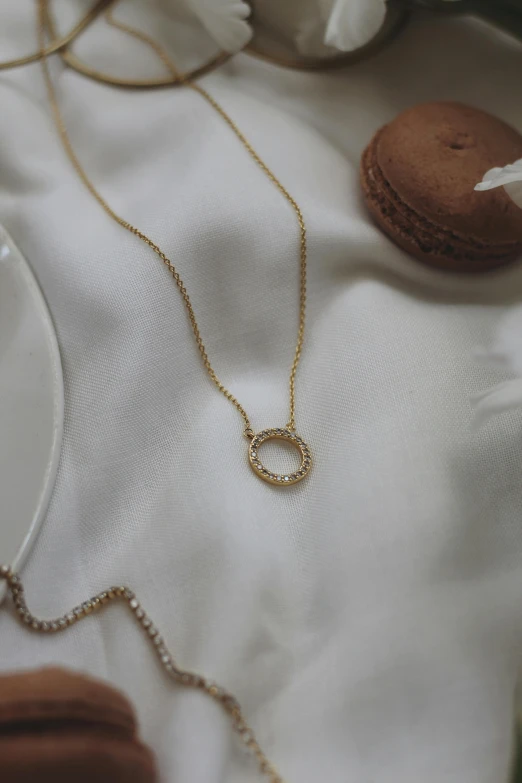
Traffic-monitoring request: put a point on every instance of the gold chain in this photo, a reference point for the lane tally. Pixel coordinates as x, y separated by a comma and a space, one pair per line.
62, 130
182, 677
61, 44
70, 59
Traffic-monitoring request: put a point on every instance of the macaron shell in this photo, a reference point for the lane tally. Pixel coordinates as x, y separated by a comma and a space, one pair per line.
57, 726
434, 154
420, 238
74, 758
55, 695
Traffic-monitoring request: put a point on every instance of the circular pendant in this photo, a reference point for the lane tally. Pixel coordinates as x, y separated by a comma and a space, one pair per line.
281, 479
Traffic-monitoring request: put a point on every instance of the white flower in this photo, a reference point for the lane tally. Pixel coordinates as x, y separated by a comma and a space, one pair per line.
224, 20
505, 354
510, 177
352, 23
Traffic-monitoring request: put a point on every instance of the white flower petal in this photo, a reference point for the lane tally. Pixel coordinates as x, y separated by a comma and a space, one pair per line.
352, 23
225, 21
488, 180
504, 397
514, 190
496, 177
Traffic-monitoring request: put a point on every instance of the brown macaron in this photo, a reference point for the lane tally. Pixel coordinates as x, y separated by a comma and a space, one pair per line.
59, 727
418, 176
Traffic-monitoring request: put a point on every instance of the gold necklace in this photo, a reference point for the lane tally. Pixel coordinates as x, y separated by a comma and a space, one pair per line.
15, 587
257, 439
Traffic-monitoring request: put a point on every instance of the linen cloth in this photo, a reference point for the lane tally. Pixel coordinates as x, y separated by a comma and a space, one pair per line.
369, 619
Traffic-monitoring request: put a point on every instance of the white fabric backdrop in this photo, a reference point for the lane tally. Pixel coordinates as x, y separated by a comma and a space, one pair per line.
370, 619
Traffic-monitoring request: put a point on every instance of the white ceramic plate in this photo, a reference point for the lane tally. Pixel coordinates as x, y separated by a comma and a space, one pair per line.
31, 406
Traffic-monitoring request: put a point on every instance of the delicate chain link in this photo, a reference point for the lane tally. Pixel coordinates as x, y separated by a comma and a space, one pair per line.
182, 677
62, 130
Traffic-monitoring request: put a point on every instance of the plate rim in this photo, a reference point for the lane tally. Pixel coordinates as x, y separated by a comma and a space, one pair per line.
49, 479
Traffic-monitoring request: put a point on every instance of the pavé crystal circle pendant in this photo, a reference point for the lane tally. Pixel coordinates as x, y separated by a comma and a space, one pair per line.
281, 479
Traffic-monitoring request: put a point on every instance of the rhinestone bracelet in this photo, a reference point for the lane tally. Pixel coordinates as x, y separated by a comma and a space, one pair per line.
180, 676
